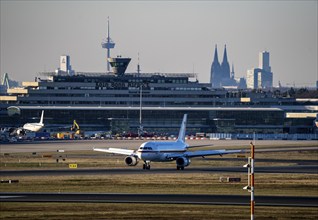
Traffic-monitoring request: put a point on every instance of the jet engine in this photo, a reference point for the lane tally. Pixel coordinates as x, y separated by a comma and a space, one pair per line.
20, 132
183, 161
131, 161
16, 131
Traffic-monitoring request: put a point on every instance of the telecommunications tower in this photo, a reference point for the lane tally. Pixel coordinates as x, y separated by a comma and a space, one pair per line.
108, 44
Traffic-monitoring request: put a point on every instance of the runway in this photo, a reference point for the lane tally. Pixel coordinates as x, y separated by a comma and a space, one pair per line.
305, 169
302, 167
291, 201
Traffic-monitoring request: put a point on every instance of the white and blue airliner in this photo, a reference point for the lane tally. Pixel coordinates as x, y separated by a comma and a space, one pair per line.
164, 151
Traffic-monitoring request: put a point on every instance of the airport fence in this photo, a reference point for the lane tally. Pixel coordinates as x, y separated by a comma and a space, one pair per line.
230, 136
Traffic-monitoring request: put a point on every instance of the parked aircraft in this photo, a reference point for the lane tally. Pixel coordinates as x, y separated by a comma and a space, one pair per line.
35, 127
165, 151
28, 127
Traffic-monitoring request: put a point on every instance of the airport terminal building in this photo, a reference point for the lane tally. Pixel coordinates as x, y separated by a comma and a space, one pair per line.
119, 101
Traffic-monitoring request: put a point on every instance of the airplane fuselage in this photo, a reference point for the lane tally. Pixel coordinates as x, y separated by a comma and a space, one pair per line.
160, 151
35, 127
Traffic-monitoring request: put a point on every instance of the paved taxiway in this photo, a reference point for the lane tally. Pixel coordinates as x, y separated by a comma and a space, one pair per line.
87, 145
304, 166
160, 199
306, 169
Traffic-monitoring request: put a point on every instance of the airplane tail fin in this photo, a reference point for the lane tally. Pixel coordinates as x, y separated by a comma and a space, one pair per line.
41, 120
181, 137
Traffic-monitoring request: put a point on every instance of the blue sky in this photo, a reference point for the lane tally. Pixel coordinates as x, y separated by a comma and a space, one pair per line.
170, 36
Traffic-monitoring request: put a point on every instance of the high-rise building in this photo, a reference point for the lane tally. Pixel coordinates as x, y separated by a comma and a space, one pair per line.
251, 78
65, 66
263, 62
65, 63
265, 79
262, 77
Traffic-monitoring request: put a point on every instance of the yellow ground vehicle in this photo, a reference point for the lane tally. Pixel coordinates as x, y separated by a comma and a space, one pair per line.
75, 127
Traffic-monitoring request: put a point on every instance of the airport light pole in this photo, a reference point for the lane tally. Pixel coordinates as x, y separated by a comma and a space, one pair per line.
250, 179
140, 129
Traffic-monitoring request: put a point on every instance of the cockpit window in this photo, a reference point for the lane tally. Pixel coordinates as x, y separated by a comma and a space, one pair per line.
141, 148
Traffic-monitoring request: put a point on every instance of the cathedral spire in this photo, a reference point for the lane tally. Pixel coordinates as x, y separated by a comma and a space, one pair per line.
225, 55
232, 73
225, 67
215, 70
216, 59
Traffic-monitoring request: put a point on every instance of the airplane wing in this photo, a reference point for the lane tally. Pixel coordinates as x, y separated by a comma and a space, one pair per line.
202, 153
202, 145
115, 151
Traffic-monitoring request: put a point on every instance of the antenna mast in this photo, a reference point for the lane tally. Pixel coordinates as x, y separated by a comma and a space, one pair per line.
138, 66
140, 130
108, 44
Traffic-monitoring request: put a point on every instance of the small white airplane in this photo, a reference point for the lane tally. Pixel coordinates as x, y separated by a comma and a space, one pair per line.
165, 151
35, 127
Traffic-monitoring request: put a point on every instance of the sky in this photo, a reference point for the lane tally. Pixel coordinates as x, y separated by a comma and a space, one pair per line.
170, 36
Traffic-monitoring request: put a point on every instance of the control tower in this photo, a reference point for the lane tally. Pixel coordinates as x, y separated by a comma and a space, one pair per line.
119, 65
108, 44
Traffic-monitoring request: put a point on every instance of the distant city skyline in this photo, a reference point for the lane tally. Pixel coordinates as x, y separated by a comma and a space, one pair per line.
170, 36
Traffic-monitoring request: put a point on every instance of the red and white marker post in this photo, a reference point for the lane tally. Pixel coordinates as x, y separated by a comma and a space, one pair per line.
250, 181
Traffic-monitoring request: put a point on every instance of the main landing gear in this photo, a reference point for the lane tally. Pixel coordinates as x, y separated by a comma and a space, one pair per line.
146, 165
